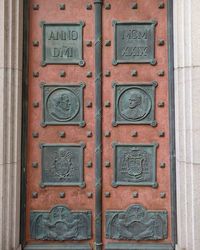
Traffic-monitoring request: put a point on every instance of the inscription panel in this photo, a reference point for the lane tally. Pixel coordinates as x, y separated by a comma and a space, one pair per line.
62, 165
134, 103
136, 223
62, 104
62, 43
134, 42
60, 224
135, 164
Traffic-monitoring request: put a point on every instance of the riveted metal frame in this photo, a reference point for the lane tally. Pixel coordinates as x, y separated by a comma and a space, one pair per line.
117, 183
81, 183
151, 23
68, 87
78, 61
153, 86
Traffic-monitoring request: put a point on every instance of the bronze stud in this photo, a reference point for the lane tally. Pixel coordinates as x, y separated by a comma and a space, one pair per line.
107, 164
135, 194
34, 195
161, 104
108, 73
107, 104
89, 164
161, 5
107, 43
61, 134
134, 133
88, 6
35, 134
35, 6
89, 195
36, 74
89, 43
62, 195
62, 73
107, 194
35, 43
35, 164
62, 6
89, 74
134, 72
161, 72
35, 104
107, 134
161, 133
134, 6
89, 104
161, 42
162, 195
107, 6
89, 133
162, 165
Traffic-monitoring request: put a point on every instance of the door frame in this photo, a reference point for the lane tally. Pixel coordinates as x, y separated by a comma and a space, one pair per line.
171, 120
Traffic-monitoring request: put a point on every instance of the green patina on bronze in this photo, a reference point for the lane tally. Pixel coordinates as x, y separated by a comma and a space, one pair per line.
134, 42
62, 43
135, 165
63, 104
62, 165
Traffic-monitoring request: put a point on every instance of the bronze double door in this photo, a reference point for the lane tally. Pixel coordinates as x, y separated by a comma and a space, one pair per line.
99, 146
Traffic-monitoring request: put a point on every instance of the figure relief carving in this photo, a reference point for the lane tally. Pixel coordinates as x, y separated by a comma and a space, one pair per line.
134, 104
60, 224
136, 223
62, 105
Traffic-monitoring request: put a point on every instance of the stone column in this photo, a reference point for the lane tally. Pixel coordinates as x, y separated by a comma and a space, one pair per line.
11, 31
187, 101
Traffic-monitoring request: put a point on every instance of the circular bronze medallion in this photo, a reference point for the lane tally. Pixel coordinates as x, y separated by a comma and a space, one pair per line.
134, 104
62, 104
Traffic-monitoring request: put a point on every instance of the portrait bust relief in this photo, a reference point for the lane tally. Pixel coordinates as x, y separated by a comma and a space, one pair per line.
134, 104
63, 104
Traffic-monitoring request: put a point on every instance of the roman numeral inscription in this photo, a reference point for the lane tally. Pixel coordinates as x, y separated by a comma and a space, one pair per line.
134, 42
62, 43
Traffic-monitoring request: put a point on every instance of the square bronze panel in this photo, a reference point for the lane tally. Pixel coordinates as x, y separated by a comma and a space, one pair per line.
134, 42
63, 104
134, 103
62, 43
62, 165
134, 165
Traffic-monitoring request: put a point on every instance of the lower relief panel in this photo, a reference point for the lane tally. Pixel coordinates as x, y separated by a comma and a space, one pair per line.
60, 224
136, 223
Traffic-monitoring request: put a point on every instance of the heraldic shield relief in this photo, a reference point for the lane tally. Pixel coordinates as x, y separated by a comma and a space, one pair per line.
135, 165
98, 164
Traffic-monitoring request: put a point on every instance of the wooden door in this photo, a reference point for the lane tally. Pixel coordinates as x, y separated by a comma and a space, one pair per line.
99, 141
